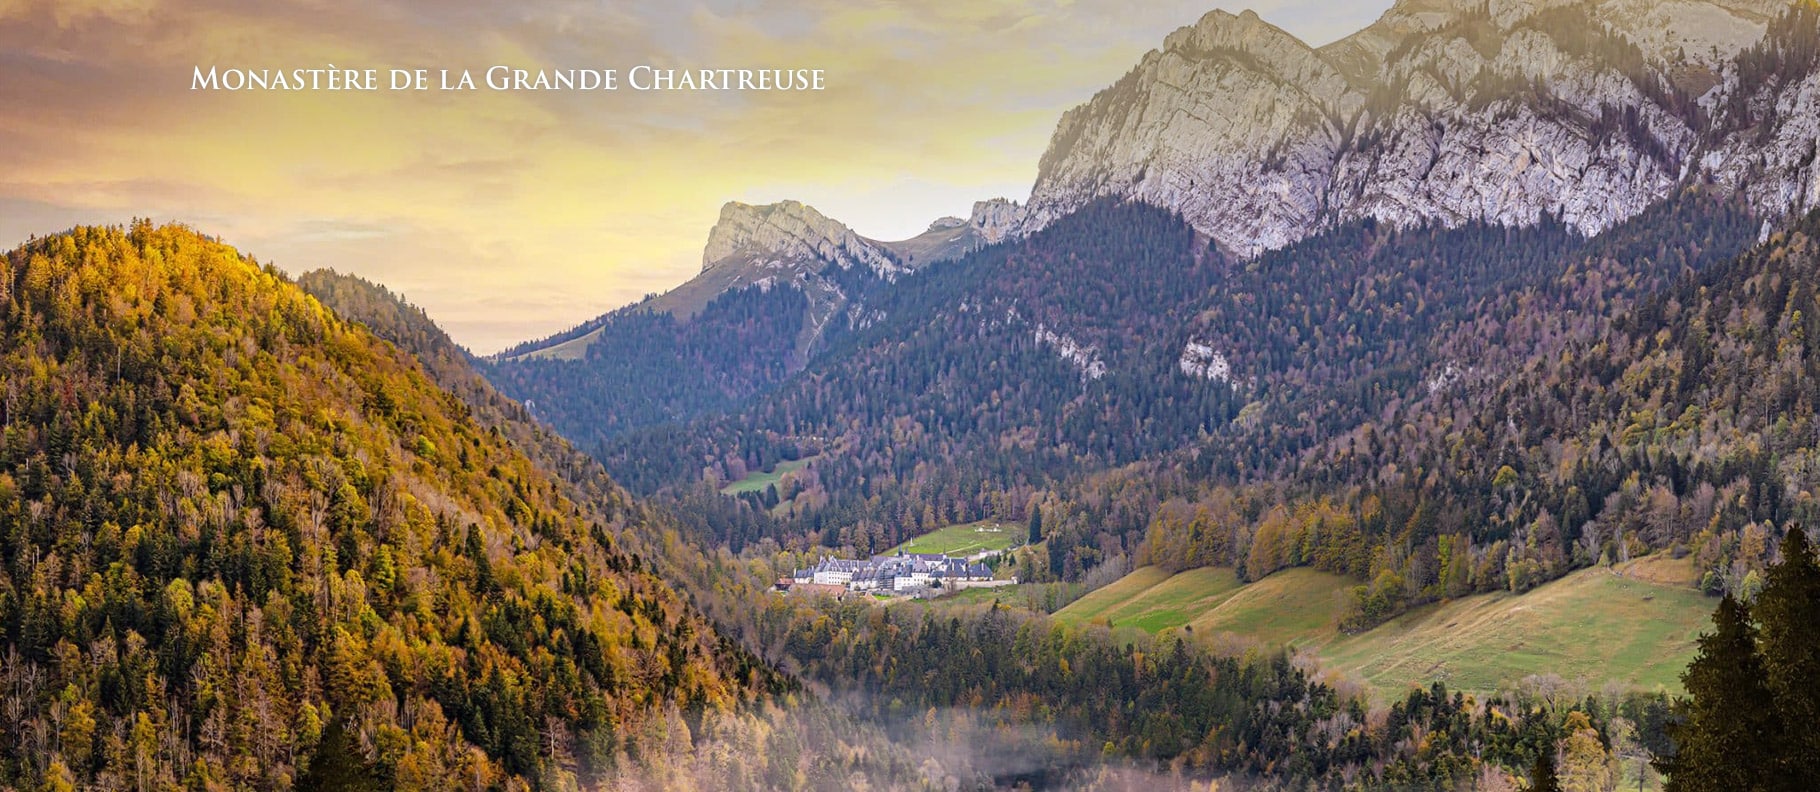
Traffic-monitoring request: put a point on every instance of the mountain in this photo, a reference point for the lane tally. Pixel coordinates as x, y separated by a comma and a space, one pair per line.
785, 245
776, 283
788, 243
1032, 364
793, 246
1450, 112
249, 544
1142, 334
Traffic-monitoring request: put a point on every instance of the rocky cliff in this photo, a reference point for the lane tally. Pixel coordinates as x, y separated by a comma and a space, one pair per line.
1451, 111
789, 235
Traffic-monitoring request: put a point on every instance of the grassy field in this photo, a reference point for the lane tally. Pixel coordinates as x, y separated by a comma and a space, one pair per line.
1124, 593
572, 349
964, 540
1283, 609
1159, 602
757, 482
1596, 624
1011, 596
1634, 624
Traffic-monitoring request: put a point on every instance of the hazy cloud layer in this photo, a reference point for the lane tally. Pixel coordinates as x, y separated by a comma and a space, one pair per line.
509, 216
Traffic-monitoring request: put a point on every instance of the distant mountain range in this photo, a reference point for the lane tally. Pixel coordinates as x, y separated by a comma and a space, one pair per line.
1441, 113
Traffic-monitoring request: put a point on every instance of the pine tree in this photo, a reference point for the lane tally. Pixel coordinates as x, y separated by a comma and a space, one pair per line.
1036, 524
1542, 775
1788, 616
337, 764
1730, 739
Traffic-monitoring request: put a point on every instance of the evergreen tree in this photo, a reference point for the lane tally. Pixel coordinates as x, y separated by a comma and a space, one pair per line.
1788, 617
337, 765
1730, 739
1542, 775
1036, 524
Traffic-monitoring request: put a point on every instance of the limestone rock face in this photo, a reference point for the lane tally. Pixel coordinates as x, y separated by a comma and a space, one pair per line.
1449, 111
789, 234
994, 220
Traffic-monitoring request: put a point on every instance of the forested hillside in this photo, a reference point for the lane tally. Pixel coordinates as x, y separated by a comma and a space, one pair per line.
725, 592
390, 318
961, 404
1021, 362
645, 368
248, 544
1601, 429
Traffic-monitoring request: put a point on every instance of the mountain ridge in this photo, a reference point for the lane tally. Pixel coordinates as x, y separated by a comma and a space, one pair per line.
1447, 112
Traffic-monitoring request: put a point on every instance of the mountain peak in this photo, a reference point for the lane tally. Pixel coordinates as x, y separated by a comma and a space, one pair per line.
1274, 48
788, 233
1221, 26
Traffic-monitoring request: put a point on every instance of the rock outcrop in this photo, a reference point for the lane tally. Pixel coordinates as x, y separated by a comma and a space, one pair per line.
992, 221
1451, 111
789, 235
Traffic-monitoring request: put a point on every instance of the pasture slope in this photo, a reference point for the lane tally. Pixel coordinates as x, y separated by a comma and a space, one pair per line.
1633, 624
964, 540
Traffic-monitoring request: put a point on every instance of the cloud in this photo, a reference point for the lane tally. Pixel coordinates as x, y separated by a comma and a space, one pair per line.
511, 215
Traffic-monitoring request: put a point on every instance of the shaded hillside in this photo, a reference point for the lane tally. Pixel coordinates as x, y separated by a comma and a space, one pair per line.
1046, 350
246, 542
644, 368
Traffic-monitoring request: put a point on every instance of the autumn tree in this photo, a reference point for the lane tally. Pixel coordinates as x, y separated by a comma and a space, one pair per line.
1586, 764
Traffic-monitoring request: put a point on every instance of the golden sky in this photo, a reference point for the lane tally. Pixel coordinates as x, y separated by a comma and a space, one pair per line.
509, 216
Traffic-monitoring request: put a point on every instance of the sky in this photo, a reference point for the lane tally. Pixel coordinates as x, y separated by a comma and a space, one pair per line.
512, 215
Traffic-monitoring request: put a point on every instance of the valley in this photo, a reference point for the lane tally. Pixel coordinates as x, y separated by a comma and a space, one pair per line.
1437, 408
